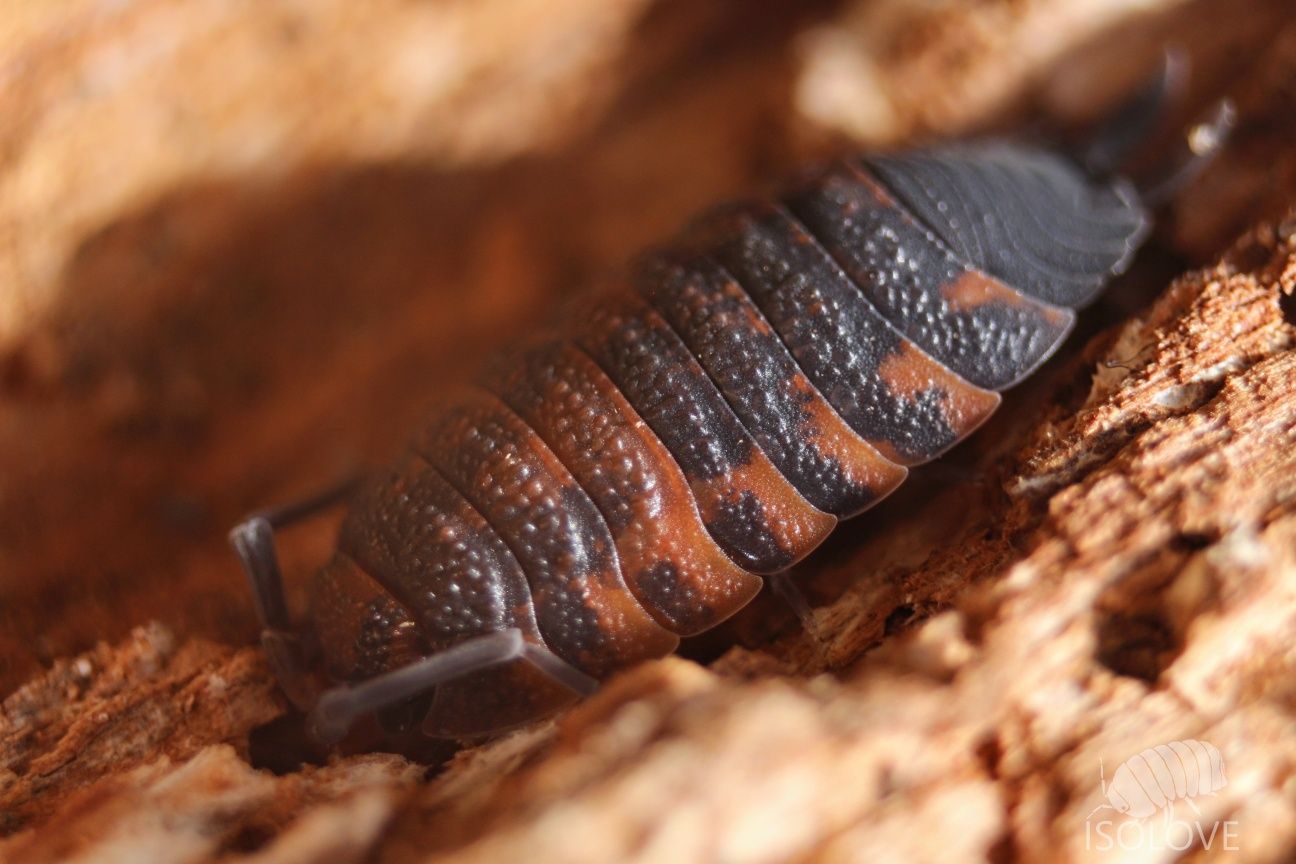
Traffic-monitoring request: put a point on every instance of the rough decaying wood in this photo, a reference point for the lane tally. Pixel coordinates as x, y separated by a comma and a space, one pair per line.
1110, 566
112, 709
1155, 602
128, 740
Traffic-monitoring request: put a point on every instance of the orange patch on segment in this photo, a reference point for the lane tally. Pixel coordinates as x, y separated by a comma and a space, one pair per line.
828, 433
973, 289
670, 528
515, 475
629, 473
339, 612
796, 525
966, 408
910, 372
755, 319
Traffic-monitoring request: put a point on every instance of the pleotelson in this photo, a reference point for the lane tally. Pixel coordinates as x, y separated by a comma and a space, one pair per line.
620, 482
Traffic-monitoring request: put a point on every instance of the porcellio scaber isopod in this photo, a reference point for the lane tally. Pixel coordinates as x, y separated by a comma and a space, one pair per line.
629, 477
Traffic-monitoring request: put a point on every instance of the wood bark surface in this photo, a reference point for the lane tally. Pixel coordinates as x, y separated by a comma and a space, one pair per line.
232, 282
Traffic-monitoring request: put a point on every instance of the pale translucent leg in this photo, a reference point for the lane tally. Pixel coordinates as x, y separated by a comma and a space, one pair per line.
339, 707
253, 542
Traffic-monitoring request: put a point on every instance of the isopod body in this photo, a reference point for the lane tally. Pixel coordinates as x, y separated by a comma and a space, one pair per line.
1161, 775
627, 478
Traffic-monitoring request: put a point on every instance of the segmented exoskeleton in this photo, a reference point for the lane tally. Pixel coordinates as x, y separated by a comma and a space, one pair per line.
1156, 778
629, 477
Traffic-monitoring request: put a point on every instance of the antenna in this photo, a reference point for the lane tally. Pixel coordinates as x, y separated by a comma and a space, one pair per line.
1102, 779
1198, 148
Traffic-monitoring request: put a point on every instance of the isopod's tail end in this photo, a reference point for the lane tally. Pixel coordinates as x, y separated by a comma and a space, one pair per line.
1135, 122
1198, 147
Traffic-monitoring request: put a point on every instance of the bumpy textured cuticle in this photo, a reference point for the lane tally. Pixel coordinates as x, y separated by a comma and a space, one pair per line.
620, 482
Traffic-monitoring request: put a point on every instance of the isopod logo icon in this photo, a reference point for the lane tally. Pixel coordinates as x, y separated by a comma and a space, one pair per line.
1161, 775
1154, 780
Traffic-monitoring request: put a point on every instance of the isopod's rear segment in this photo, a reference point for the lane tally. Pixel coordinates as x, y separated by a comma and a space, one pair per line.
833, 467
900, 400
986, 332
1028, 217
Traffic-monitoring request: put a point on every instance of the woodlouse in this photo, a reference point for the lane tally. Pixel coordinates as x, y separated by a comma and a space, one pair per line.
628, 478
1157, 777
